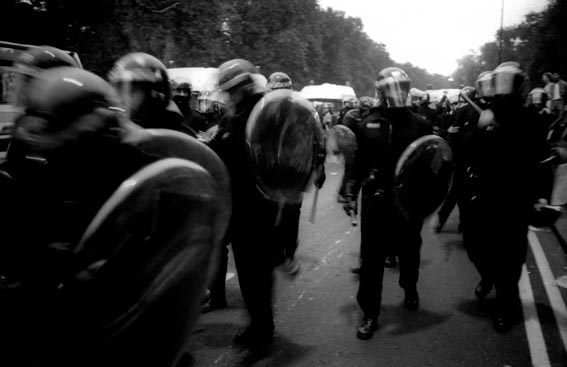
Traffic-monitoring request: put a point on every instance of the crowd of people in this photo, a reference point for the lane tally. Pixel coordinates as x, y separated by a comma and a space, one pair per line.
81, 137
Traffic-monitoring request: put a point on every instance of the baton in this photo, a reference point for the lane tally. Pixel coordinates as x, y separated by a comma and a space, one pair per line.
469, 101
314, 206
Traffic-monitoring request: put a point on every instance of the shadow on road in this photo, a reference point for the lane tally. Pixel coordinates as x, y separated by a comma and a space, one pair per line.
476, 308
284, 352
396, 320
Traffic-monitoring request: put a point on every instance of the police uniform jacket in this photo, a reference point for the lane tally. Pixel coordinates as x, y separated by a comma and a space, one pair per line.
504, 174
230, 144
382, 137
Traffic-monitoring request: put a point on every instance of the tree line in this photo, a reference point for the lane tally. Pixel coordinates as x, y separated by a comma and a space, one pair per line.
311, 44
538, 43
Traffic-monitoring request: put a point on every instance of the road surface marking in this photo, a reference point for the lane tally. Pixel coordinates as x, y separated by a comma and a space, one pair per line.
536, 342
555, 299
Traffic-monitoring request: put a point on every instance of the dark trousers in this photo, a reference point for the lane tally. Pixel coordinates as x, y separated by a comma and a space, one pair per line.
252, 244
286, 233
218, 279
384, 232
454, 197
349, 162
498, 250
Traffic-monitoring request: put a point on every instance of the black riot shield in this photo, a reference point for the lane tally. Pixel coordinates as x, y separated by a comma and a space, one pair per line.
342, 140
164, 143
423, 176
286, 145
144, 262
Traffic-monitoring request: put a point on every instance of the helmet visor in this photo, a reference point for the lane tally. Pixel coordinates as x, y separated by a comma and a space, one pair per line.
504, 81
484, 87
393, 93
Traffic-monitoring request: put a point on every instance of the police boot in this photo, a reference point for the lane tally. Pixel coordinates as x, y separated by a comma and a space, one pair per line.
367, 328
411, 300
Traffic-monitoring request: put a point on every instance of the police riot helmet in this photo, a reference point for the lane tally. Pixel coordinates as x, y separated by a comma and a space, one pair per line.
57, 100
182, 87
350, 102
279, 80
509, 79
32, 61
469, 92
140, 71
483, 85
537, 97
392, 87
366, 103
286, 145
417, 96
234, 73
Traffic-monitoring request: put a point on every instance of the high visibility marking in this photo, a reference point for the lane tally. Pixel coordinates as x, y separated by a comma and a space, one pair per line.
556, 301
229, 276
536, 342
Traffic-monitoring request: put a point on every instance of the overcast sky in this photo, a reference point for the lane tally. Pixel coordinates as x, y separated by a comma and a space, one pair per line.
433, 34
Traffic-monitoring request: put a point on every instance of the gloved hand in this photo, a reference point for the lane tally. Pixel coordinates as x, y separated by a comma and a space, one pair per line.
321, 177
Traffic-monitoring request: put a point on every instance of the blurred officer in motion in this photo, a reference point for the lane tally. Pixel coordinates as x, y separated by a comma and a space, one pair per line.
29, 65
109, 221
288, 228
502, 184
382, 137
243, 142
253, 216
143, 87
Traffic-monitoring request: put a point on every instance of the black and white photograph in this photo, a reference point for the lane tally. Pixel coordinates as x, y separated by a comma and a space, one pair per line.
283, 183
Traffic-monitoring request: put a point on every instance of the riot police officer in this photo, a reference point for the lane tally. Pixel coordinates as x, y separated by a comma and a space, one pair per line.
382, 137
253, 217
463, 123
182, 95
288, 228
502, 184
80, 274
142, 84
349, 104
352, 120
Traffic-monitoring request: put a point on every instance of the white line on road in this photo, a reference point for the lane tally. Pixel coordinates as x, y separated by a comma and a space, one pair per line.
536, 342
556, 301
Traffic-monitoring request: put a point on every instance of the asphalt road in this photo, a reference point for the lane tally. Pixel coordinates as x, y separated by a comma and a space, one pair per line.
317, 314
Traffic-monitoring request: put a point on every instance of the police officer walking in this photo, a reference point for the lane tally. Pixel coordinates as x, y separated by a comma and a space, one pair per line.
382, 137
253, 216
463, 123
504, 180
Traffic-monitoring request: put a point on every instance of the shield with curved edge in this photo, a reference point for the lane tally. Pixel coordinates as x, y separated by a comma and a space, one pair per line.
341, 140
165, 143
144, 262
423, 176
286, 145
